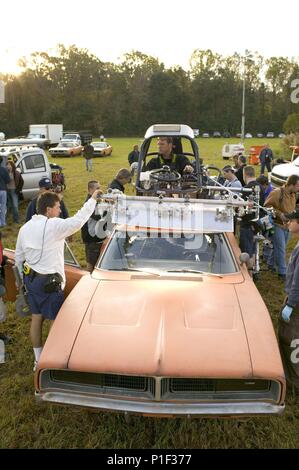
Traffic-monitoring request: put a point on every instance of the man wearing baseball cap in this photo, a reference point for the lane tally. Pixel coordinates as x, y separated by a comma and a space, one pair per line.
288, 332
45, 184
231, 181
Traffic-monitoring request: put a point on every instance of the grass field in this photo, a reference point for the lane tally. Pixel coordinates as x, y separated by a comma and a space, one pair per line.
26, 424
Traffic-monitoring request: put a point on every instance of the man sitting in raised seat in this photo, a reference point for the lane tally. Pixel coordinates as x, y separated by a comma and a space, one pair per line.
166, 156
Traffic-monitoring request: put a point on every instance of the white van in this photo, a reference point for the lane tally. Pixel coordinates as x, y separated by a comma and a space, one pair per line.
229, 150
33, 164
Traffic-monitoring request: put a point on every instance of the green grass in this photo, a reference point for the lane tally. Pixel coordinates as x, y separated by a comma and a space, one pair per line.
26, 424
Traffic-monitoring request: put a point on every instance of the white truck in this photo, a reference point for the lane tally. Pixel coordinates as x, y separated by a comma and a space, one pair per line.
33, 164
229, 150
43, 135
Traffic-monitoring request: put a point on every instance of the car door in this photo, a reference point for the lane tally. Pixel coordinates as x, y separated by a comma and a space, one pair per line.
73, 270
73, 273
33, 167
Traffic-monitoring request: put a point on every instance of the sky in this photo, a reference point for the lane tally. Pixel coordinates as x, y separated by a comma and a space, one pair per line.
167, 29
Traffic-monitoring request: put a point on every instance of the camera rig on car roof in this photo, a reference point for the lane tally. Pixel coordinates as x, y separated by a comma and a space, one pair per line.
166, 181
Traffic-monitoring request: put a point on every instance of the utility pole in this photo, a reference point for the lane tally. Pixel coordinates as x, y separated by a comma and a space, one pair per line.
243, 107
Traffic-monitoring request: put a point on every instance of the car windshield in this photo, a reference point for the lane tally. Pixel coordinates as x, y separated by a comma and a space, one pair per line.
163, 251
99, 145
70, 136
66, 144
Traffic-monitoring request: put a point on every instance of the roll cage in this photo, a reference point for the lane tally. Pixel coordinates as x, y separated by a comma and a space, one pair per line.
165, 180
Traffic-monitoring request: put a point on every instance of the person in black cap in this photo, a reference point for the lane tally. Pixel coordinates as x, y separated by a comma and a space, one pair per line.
288, 332
45, 184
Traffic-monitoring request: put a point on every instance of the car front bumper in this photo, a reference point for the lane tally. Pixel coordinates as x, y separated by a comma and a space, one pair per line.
162, 409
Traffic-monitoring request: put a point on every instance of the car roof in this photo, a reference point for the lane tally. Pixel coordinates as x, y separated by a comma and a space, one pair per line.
180, 130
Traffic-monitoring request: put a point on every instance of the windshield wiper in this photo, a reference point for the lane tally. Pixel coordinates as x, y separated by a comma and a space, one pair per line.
184, 270
153, 273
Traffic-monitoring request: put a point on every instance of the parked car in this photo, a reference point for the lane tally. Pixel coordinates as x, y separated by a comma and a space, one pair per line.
281, 135
216, 134
72, 137
248, 136
206, 135
101, 149
260, 135
169, 323
239, 135
66, 148
270, 135
226, 135
82, 137
33, 164
281, 172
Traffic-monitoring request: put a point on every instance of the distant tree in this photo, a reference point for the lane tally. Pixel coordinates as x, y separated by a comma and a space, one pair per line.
292, 123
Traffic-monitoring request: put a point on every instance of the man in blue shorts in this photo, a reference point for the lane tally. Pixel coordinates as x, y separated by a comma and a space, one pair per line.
40, 257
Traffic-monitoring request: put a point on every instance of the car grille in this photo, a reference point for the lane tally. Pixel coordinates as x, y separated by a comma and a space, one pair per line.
156, 388
59, 152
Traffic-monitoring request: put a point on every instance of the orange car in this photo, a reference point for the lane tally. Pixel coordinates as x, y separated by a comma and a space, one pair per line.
101, 149
168, 324
66, 149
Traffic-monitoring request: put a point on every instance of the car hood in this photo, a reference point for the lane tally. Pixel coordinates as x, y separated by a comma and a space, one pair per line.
162, 327
286, 169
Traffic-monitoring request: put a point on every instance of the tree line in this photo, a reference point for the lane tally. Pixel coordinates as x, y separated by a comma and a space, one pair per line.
75, 88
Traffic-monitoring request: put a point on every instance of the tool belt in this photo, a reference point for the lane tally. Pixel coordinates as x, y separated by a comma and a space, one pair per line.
52, 281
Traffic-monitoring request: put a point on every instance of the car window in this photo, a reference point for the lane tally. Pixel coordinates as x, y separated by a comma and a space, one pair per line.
207, 252
34, 162
69, 257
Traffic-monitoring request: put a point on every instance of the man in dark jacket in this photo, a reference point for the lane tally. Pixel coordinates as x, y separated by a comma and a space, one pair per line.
288, 332
91, 241
241, 166
166, 156
266, 157
4, 180
134, 155
122, 178
45, 184
88, 154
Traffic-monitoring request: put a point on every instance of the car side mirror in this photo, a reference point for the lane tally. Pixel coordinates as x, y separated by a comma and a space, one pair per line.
244, 258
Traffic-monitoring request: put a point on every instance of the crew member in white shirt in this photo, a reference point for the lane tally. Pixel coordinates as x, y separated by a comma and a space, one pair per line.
40, 254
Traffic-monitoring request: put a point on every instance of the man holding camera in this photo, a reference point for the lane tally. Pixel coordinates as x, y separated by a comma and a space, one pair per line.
40, 257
